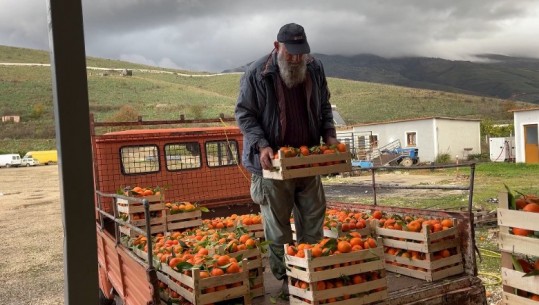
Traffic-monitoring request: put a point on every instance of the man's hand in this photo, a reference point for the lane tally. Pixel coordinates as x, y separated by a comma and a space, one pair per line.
331, 141
266, 155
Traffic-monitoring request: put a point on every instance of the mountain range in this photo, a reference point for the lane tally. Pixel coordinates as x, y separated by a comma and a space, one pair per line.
492, 75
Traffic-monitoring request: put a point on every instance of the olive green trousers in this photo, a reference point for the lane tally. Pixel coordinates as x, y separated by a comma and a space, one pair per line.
278, 199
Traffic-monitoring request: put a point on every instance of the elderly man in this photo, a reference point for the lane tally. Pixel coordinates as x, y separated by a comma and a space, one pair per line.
284, 101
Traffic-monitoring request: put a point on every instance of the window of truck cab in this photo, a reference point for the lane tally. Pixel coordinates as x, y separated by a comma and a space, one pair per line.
139, 159
182, 156
222, 153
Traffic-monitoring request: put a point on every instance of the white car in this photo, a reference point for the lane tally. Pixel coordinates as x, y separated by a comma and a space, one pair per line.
29, 162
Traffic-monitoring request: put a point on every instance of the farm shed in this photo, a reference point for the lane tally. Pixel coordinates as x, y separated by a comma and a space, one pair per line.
526, 123
432, 136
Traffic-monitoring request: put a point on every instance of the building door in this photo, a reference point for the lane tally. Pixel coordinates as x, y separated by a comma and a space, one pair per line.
531, 144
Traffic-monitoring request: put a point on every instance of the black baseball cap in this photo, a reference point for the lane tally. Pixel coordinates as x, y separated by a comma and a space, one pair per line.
294, 38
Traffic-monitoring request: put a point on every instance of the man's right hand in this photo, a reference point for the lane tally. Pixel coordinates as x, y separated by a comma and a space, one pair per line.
266, 155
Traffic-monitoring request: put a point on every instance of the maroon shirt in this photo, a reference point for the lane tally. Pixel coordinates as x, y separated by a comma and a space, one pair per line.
297, 123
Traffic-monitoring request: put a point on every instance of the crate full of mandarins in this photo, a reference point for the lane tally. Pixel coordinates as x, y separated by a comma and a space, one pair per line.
347, 270
418, 247
291, 162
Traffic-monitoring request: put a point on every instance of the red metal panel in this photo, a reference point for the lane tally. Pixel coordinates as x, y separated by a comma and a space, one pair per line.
137, 287
127, 276
211, 186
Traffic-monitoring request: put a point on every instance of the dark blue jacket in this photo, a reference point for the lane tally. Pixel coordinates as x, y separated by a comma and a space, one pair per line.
260, 108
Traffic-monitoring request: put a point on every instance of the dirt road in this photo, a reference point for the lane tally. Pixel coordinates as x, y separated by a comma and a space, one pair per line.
31, 234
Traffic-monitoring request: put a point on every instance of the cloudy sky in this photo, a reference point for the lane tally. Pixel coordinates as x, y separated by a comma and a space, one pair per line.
204, 35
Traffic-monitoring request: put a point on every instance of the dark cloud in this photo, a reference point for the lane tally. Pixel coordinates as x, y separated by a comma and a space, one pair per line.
216, 35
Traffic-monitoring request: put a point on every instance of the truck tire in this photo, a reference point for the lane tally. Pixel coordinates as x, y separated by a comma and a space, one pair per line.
406, 162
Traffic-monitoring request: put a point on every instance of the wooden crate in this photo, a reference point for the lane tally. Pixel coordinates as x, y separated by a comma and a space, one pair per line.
305, 166
507, 219
336, 267
427, 243
191, 287
337, 231
131, 207
255, 268
183, 220
513, 280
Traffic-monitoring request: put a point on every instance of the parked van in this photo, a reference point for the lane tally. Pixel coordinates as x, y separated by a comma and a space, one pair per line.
9, 160
43, 156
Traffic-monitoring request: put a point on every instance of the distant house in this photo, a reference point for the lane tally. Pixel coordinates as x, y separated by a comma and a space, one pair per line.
11, 118
432, 136
526, 123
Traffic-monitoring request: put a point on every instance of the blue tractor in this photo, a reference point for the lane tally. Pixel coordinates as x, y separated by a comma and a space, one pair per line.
392, 154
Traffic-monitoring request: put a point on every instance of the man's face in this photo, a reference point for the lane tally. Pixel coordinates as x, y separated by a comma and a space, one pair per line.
292, 68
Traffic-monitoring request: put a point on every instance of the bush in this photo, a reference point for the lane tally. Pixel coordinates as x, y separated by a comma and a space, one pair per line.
443, 158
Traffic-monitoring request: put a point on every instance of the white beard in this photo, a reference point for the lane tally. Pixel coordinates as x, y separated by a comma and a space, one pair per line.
291, 74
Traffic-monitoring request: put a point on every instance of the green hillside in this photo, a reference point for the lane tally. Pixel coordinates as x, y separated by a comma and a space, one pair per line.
26, 91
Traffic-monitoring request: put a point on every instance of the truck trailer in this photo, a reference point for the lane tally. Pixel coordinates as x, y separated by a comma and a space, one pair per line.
203, 165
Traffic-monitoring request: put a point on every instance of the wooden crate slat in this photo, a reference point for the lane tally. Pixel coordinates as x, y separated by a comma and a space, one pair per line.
416, 236
184, 215
429, 265
310, 159
518, 219
407, 245
223, 295
153, 221
132, 233
518, 244
513, 299
283, 174
151, 198
364, 299
315, 276
323, 261
131, 208
441, 274
442, 245
515, 279
183, 224
339, 291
